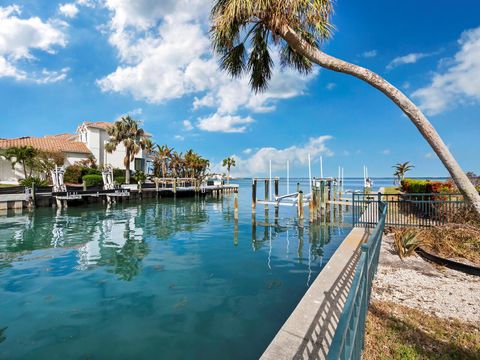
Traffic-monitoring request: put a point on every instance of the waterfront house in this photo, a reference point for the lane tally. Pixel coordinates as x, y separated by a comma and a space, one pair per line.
88, 140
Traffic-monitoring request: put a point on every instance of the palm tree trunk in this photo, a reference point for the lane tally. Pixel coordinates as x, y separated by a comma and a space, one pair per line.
127, 167
24, 169
403, 102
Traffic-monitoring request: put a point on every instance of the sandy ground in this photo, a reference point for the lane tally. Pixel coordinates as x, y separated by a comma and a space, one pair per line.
418, 284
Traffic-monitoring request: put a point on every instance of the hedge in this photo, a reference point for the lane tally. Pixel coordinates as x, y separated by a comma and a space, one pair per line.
413, 186
93, 180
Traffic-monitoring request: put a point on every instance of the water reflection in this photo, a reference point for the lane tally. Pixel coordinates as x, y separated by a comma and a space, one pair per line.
118, 237
114, 237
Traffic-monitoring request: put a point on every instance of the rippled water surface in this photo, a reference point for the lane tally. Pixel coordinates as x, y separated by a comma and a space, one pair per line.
166, 279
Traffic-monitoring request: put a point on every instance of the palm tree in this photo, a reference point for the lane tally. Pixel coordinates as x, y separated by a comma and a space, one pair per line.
401, 169
163, 153
176, 163
23, 155
299, 27
126, 131
228, 162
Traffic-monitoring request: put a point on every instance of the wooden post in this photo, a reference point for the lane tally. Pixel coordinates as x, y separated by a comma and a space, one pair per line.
254, 195
276, 181
235, 205
175, 187
298, 187
84, 184
300, 205
267, 185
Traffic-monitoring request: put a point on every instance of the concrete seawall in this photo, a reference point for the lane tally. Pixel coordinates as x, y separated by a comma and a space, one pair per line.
308, 332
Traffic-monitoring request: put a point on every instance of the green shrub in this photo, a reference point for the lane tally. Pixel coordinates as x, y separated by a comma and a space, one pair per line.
73, 174
90, 171
118, 173
28, 182
93, 180
413, 186
140, 177
119, 180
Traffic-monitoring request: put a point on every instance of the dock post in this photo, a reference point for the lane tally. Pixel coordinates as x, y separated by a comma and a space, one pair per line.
84, 185
235, 204
175, 187
300, 205
276, 181
298, 187
254, 195
267, 185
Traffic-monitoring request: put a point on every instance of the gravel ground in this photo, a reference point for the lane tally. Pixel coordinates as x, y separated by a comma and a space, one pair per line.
418, 284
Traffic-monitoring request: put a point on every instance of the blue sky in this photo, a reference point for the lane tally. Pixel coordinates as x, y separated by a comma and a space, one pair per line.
62, 63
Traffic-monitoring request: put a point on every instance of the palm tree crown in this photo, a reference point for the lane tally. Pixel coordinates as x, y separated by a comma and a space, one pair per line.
239, 25
126, 131
402, 168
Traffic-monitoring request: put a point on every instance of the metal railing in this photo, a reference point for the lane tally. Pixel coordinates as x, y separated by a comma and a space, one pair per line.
419, 210
347, 343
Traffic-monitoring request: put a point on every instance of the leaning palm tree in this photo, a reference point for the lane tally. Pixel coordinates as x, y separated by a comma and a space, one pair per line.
228, 162
126, 131
401, 169
299, 27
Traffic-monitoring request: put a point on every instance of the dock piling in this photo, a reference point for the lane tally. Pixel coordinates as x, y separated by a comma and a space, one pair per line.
235, 204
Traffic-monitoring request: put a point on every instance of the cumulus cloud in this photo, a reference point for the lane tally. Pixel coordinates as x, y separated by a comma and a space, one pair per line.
407, 59
457, 83
157, 65
224, 123
257, 162
19, 36
69, 10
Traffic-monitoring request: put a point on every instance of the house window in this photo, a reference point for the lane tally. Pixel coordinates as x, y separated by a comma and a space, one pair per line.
139, 165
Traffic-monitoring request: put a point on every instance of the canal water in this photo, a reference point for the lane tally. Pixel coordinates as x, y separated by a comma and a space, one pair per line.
166, 279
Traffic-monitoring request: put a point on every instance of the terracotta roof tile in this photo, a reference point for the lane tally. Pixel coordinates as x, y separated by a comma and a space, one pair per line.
49, 143
99, 124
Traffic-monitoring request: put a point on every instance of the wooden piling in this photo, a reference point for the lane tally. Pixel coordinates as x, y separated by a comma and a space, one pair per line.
175, 187
300, 205
276, 182
254, 195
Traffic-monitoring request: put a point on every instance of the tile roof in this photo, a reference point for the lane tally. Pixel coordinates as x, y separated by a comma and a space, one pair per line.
48, 143
98, 124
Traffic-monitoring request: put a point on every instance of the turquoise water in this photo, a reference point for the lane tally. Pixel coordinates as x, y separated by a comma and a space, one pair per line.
173, 279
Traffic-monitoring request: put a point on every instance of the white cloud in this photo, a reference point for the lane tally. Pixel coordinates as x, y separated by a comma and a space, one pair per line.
386, 152
247, 151
458, 83
69, 10
258, 162
50, 76
179, 137
187, 125
165, 53
224, 123
407, 59
370, 54
19, 36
